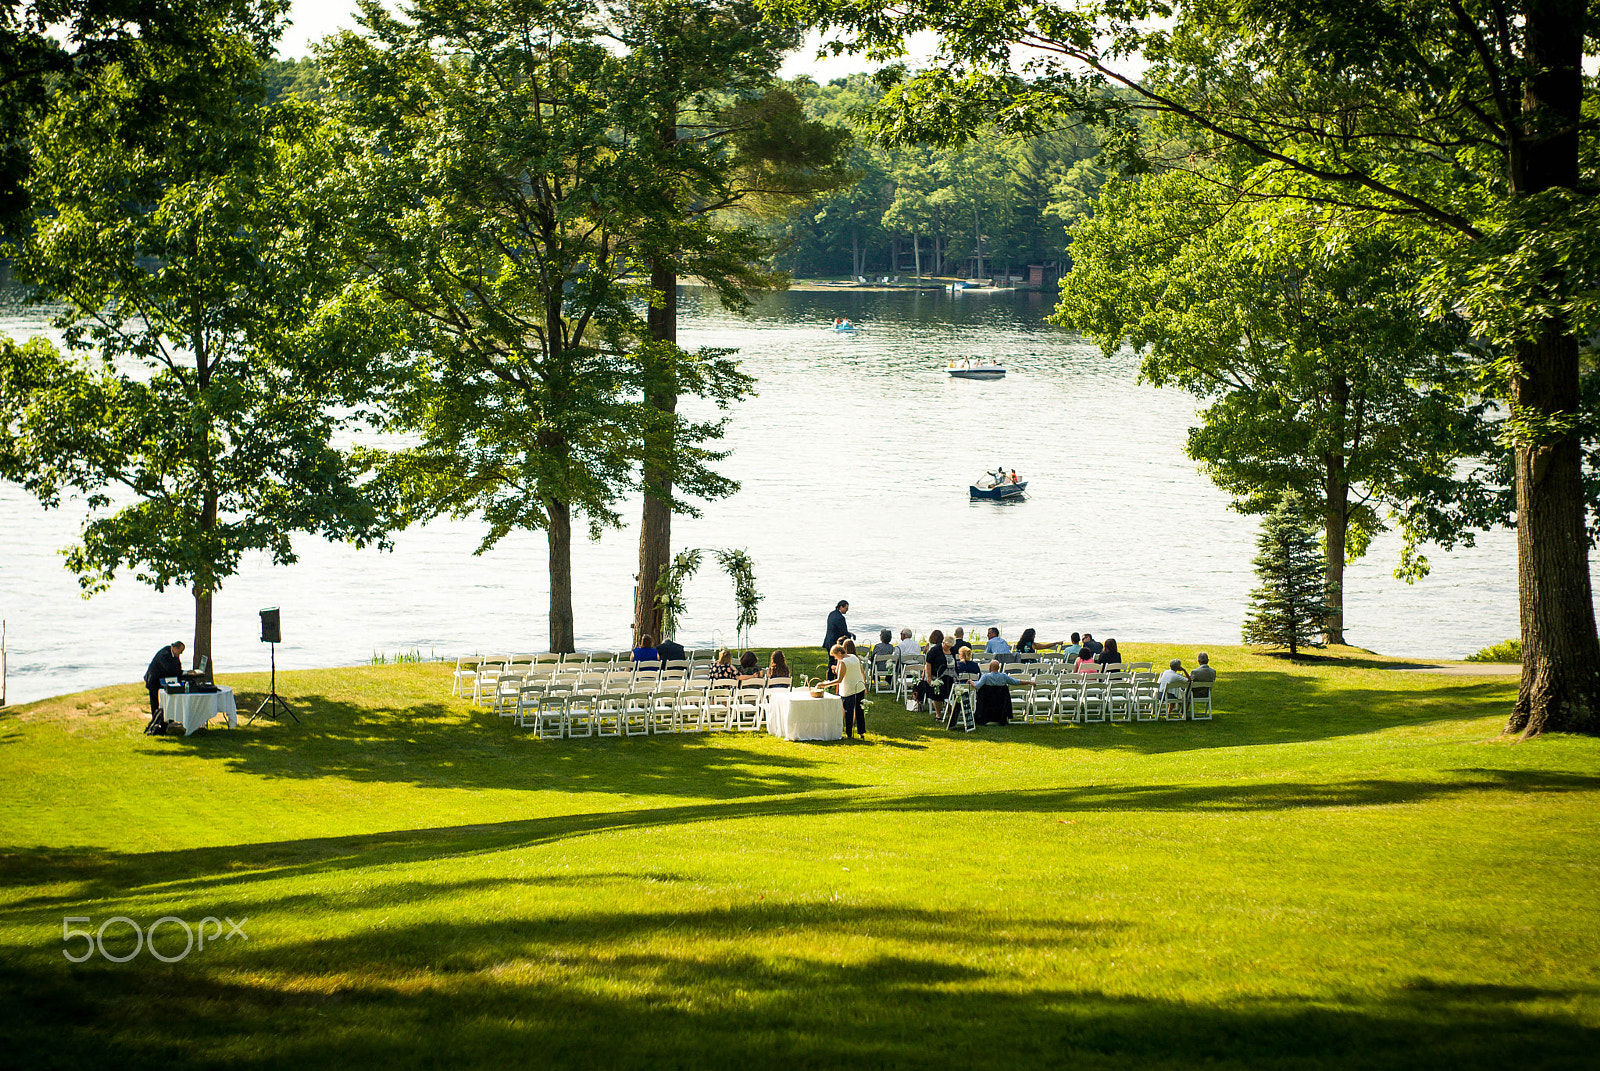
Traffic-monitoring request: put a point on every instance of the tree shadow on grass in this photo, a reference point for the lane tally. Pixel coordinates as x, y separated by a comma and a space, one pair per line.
434, 746
777, 984
82, 875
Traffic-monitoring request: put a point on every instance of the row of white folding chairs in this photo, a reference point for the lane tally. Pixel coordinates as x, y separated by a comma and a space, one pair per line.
469, 669
1100, 697
695, 707
503, 696
482, 678
491, 681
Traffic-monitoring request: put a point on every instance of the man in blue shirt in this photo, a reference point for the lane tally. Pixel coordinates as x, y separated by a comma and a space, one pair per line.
996, 645
994, 695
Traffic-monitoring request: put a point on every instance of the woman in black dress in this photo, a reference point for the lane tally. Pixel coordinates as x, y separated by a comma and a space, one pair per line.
1109, 655
937, 674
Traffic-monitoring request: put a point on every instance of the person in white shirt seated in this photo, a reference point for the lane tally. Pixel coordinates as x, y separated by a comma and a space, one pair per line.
996, 645
909, 650
1173, 674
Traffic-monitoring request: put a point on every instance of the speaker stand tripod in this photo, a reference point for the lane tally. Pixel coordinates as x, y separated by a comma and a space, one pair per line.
273, 701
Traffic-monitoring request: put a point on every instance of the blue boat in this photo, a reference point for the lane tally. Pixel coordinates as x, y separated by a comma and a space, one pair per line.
844, 328
1005, 490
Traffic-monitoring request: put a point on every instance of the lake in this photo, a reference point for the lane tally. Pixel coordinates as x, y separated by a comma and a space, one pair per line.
854, 461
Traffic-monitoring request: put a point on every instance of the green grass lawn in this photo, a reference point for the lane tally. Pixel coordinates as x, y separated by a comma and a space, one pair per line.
1345, 869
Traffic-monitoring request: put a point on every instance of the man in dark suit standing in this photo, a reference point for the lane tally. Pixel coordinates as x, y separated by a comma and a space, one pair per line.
168, 662
837, 629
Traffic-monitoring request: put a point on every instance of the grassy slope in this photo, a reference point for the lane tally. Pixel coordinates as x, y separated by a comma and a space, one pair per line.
1343, 870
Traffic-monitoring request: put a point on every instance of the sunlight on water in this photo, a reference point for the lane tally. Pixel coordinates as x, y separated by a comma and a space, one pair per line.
854, 462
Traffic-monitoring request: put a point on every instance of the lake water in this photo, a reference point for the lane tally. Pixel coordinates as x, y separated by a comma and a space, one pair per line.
854, 459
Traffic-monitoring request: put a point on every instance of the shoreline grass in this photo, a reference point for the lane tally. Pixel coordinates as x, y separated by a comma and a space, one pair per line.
1347, 868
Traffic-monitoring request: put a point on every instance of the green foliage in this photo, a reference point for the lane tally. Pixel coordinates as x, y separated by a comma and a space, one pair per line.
740, 569
516, 256
1321, 365
669, 590
1506, 651
198, 408
1288, 609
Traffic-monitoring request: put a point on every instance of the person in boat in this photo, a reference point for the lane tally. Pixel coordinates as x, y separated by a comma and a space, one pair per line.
1013, 475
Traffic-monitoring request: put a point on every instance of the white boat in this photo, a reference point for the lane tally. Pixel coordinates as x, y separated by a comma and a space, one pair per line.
966, 369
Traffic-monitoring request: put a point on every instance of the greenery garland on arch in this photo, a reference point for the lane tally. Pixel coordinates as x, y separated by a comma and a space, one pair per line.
676, 573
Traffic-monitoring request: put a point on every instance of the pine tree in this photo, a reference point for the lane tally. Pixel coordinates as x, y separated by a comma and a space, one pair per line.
1289, 608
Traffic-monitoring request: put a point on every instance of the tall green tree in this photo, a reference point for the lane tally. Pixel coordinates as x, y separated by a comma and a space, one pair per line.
731, 141
1289, 608
1466, 120
198, 408
1321, 367
513, 198
53, 50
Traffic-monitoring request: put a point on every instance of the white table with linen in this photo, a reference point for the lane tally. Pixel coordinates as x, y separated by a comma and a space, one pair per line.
193, 710
795, 715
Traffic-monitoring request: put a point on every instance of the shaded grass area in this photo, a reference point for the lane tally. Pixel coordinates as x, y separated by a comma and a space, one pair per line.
1344, 869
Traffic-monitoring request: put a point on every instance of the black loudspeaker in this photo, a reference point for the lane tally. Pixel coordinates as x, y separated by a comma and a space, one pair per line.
270, 630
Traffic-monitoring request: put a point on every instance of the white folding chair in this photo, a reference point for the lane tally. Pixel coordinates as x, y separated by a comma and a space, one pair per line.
550, 716
1119, 696
962, 710
1173, 704
528, 697
1144, 697
719, 705
466, 670
636, 711
883, 676
1092, 698
689, 711
1200, 699
747, 708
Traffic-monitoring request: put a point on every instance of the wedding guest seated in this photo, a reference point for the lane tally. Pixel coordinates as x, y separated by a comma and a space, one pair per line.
1070, 651
1203, 673
958, 639
1109, 655
996, 644
965, 663
994, 695
909, 651
1090, 644
1173, 673
647, 650
723, 669
884, 649
749, 667
1028, 645
671, 651
1085, 663
777, 666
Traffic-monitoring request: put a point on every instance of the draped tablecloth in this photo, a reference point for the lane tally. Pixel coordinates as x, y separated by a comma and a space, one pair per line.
797, 716
192, 711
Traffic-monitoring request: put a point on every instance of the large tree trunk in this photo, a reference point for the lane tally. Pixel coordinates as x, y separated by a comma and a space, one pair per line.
1560, 683
655, 521
1336, 491
558, 534
205, 583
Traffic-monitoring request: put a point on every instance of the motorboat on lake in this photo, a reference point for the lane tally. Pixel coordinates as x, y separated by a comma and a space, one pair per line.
843, 327
999, 484
966, 368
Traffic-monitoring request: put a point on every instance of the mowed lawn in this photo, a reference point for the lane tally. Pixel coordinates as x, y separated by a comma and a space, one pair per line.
1345, 869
